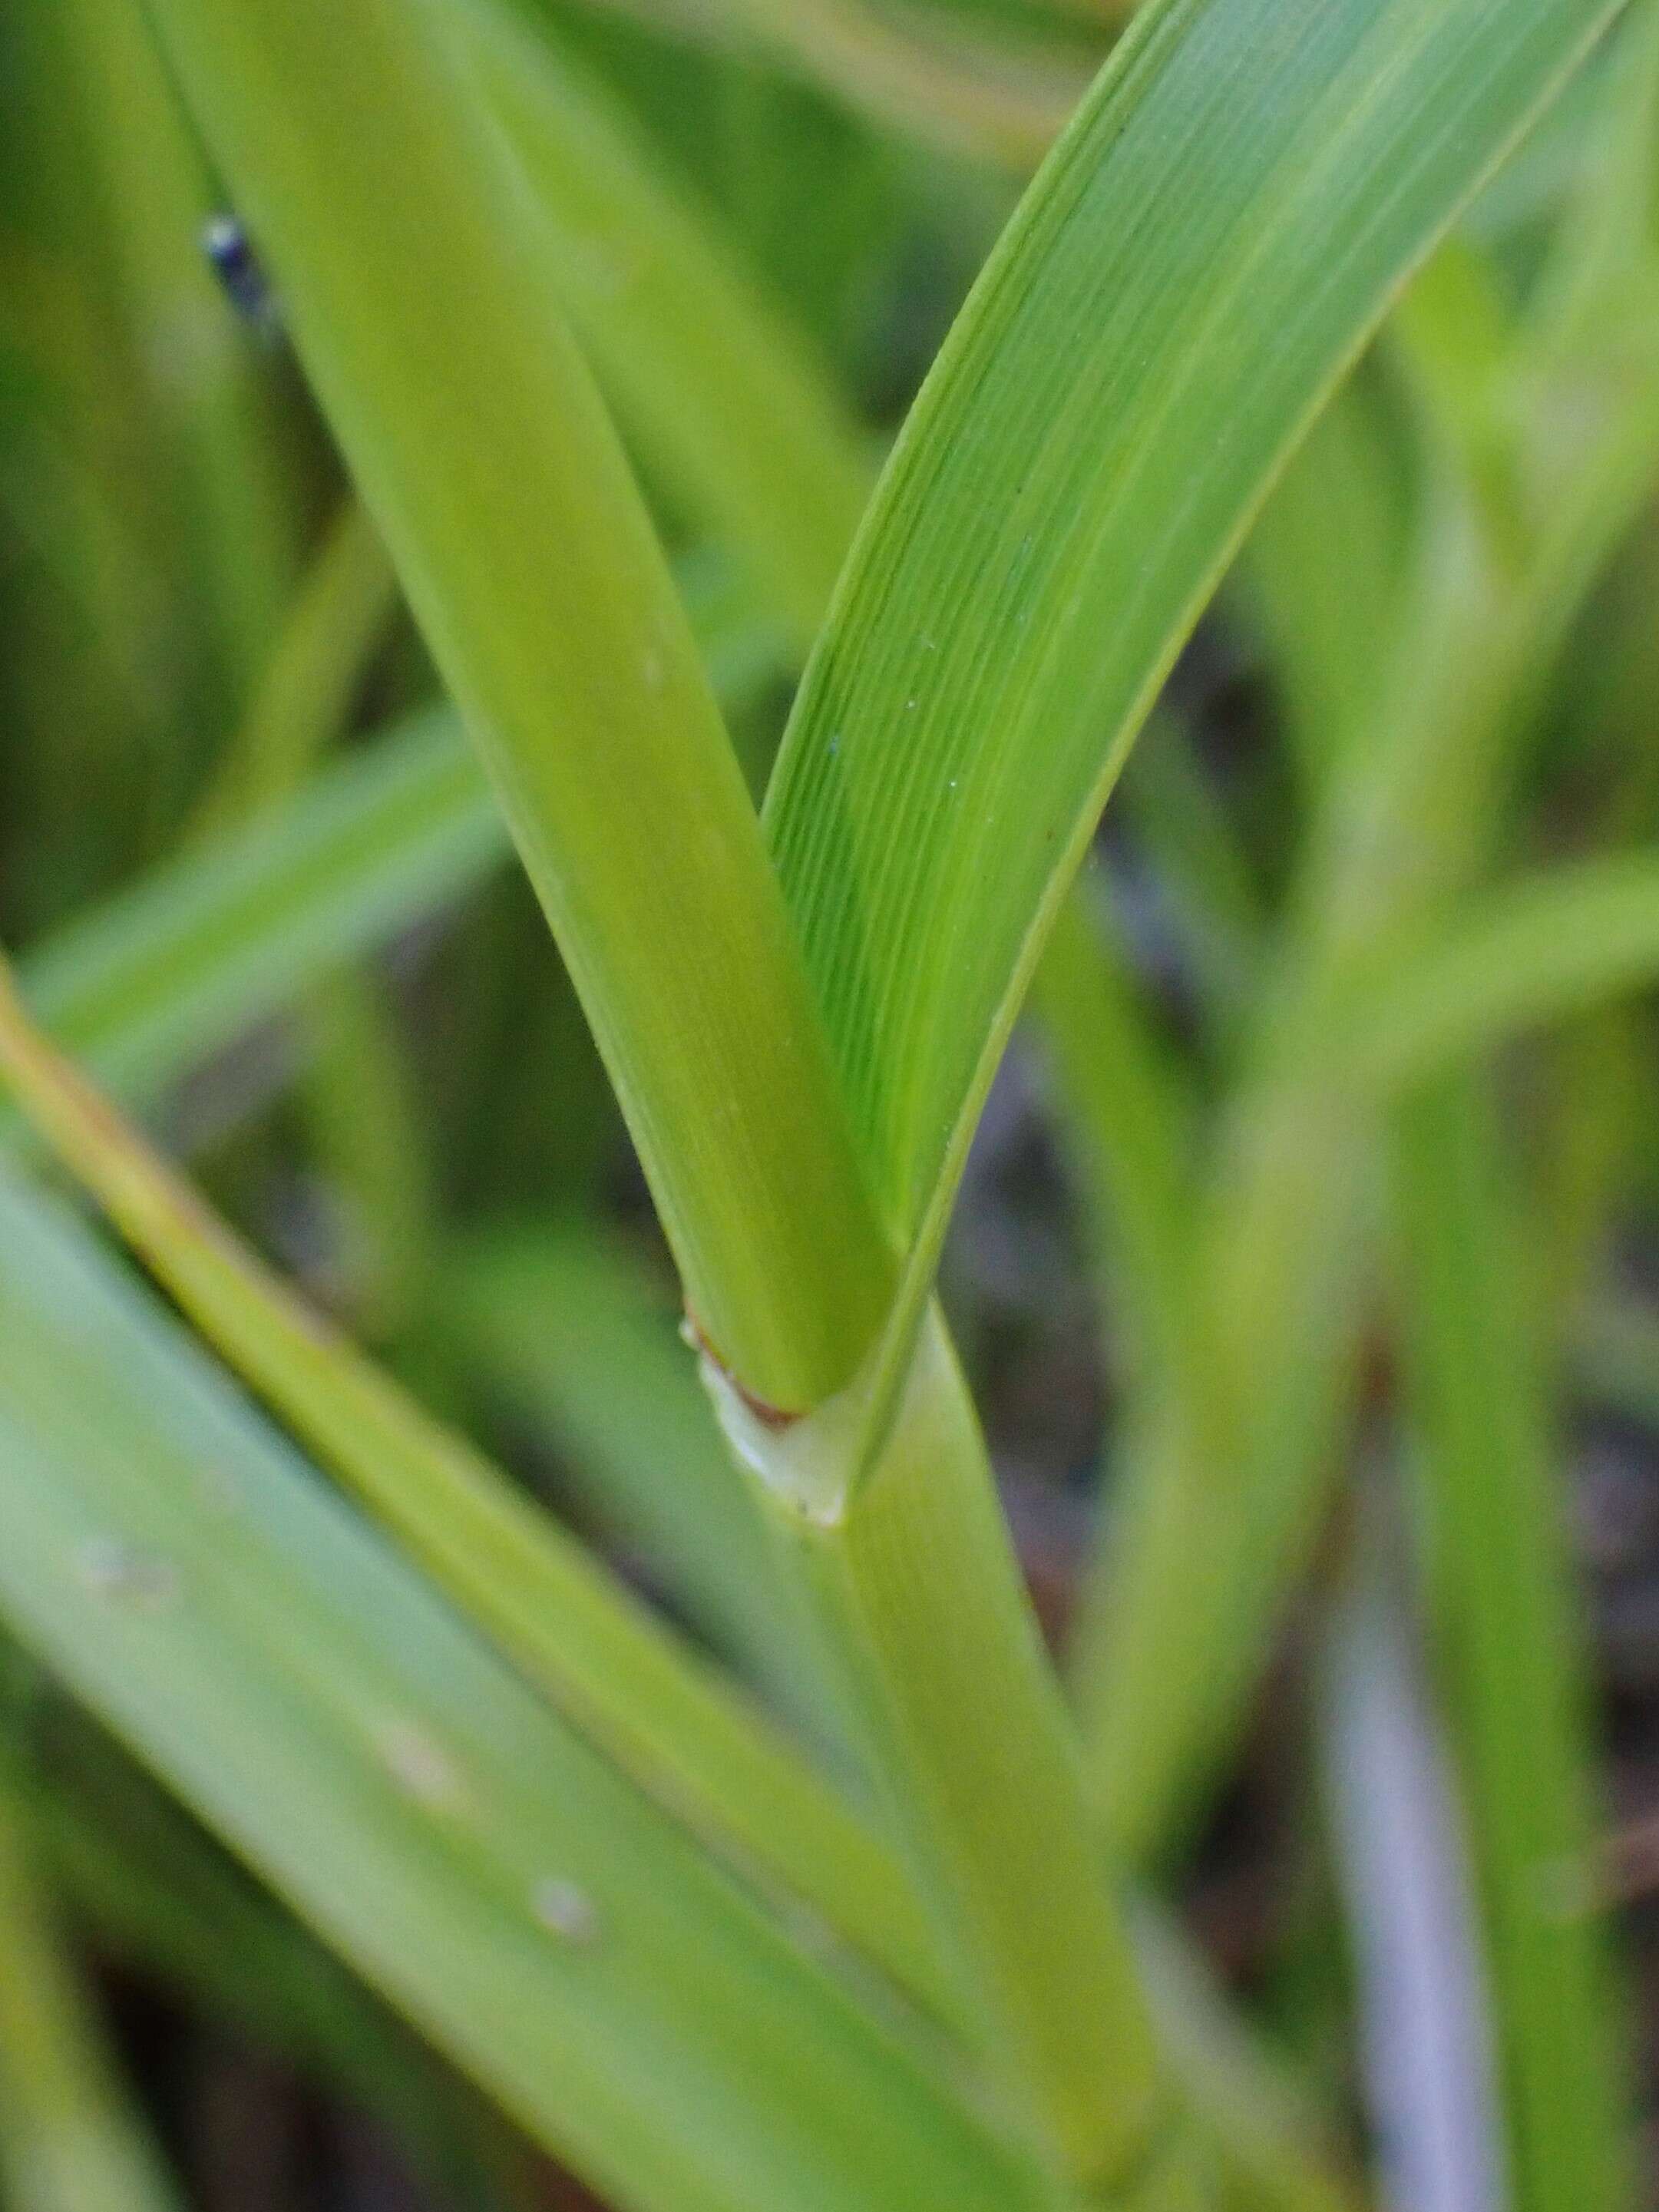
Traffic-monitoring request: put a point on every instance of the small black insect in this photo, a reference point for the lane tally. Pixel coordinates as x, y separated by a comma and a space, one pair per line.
230, 255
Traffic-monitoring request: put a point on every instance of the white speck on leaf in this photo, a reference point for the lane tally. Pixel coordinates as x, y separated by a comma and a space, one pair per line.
119, 1575
420, 1766
566, 1911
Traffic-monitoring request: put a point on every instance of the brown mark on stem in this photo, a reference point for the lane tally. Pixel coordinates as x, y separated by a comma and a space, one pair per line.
776, 1418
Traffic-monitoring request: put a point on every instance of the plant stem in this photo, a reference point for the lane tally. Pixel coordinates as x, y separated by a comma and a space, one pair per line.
907, 1553
410, 263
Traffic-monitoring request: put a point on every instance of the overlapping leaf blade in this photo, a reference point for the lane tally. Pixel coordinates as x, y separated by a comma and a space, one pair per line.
562, 1326
223, 936
1528, 954
209, 945
1218, 231
179, 1568
413, 290
646, 1701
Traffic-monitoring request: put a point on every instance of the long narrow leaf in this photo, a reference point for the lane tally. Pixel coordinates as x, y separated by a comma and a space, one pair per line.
158, 1898
654, 1708
173, 1561
411, 288
1176, 1626
1498, 1581
1526, 954
720, 394
202, 949
1405, 820
950, 89
1244, 190
627, 806
209, 944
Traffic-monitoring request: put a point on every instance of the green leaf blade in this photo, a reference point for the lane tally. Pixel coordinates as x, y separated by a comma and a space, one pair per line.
1509, 1650
328, 1716
1201, 256
718, 390
423, 302
1534, 951
202, 949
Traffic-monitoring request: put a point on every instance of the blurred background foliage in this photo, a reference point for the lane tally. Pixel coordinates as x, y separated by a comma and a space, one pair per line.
1307, 1264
